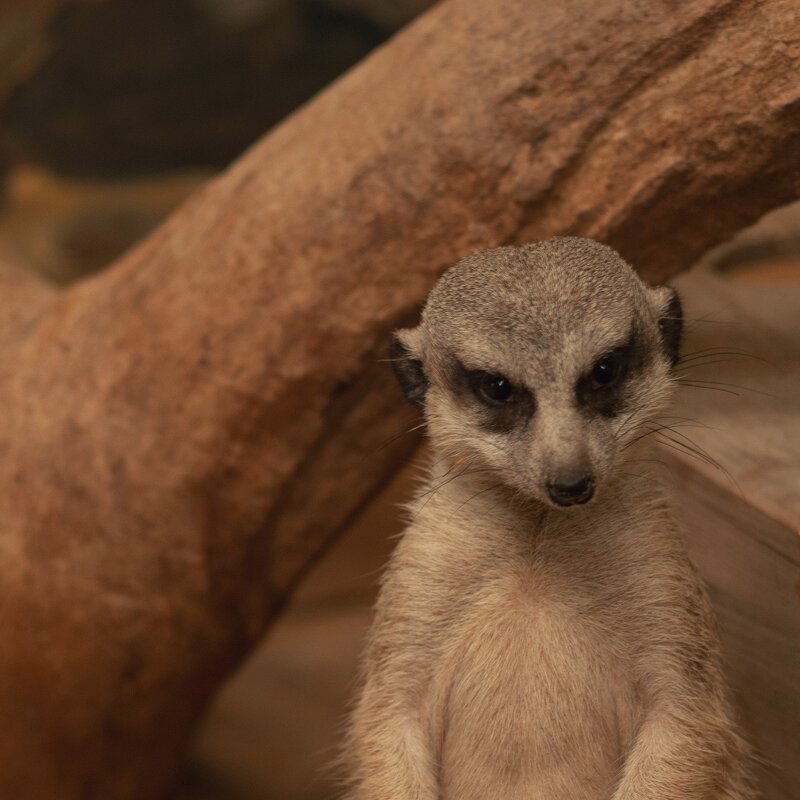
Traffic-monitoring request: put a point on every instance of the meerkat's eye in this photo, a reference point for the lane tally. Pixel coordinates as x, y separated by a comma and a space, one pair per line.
492, 389
608, 371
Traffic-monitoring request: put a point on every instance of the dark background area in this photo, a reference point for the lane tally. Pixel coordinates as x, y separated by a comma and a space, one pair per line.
113, 111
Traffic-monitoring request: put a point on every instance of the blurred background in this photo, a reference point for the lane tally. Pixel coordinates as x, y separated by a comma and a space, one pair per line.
111, 113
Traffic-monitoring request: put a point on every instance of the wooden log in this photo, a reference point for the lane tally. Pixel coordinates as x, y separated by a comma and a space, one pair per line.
734, 458
24, 297
184, 433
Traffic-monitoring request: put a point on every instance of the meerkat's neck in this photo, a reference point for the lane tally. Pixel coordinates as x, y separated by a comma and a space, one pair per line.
474, 502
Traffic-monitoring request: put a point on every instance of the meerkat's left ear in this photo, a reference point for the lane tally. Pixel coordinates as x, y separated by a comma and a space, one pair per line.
670, 321
406, 356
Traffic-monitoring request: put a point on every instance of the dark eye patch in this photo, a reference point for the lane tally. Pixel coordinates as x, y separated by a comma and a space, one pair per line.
601, 389
501, 404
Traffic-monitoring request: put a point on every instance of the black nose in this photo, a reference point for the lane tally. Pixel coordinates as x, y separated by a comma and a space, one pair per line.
571, 492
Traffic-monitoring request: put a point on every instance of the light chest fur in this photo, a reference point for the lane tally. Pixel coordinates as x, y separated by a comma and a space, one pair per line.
529, 669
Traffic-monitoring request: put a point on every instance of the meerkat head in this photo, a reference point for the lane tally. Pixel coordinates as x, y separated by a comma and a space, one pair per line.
542, 363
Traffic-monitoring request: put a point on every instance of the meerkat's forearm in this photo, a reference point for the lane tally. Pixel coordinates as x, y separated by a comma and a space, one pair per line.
673, 759
392, 759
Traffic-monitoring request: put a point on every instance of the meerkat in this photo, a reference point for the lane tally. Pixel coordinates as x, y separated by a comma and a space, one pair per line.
540, 633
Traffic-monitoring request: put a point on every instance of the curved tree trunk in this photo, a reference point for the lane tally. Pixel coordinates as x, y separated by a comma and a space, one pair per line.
183, 433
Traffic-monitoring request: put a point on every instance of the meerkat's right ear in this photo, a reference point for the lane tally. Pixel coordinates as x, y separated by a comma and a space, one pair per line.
670, 321
407, 364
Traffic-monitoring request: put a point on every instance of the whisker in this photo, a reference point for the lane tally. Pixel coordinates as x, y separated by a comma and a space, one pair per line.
689, 385
657, 427
681, 448
477, 494
464, 472
702, 453
718, 350
697, 448
710, 384
393, 439
650, 461
706, 320
624, 427
438, 486
394, 360
687, 422
699, 364
641, 436
710, 461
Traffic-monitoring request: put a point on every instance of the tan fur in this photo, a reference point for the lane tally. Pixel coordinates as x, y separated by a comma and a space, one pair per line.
522, 651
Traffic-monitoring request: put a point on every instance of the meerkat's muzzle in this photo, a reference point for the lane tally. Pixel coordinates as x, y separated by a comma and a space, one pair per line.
571, 490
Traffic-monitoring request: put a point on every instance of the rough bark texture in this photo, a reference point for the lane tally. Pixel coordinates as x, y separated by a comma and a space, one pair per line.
182, 434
